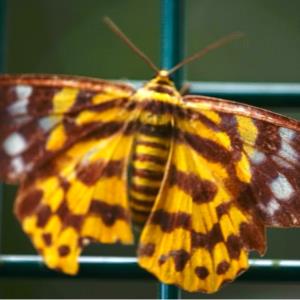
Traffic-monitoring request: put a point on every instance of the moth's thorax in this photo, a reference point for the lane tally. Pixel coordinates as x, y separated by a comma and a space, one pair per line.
159, 89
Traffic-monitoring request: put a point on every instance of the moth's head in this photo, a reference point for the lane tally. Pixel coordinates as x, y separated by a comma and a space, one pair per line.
162, 77
163, 74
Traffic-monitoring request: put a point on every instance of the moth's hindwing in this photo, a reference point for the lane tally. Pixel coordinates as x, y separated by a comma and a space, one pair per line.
233, 170
73, 136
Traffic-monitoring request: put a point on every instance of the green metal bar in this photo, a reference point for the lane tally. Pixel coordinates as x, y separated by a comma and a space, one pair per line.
167, 291
2, 67
2, 33
31, 266
172, 36
172, 51
262, 94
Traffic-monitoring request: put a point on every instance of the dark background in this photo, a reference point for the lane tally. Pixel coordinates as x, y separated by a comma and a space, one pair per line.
67, 37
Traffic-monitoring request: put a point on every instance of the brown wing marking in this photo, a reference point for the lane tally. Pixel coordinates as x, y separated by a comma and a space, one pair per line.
78, 197
198, 236
42, 115
271, 156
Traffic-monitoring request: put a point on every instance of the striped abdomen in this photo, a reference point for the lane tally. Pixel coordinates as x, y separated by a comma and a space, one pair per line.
147, 169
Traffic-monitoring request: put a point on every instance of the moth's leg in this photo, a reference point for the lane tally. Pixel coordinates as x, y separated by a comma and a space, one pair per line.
184, 89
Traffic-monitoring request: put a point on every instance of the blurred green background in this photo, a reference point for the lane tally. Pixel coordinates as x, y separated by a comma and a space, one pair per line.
67, 37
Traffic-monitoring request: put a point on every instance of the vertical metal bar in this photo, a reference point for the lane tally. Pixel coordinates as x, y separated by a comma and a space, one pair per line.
169, 292
2, 67
172, 52
172, 36
2, 34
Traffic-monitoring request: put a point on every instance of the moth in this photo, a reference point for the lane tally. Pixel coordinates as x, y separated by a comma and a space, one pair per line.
202, 177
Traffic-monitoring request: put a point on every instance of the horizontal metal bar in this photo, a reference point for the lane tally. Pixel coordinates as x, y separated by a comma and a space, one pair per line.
12, 266
262, 270
263, 94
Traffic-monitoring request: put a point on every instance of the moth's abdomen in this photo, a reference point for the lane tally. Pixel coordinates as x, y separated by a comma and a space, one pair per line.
152, 145
147, 168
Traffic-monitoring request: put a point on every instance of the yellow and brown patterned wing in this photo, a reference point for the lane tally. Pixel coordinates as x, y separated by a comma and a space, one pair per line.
42, 115
265, 153
67, 140
77, 198
232, 171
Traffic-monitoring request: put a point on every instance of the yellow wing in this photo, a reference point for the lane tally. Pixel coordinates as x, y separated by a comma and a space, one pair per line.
71, 163
80, 197
197, 236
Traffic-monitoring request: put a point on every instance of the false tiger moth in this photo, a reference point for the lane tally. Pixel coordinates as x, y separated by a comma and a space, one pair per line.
201, 176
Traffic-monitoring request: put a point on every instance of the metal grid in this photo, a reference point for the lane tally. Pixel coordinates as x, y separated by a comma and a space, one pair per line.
172, 49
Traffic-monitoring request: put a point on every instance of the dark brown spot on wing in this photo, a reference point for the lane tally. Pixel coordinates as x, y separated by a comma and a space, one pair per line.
43, 215
170, 221
63, 210
208, 240
253, 236
89, 174
64, 250
146, 249
47, 237
268, 139
109, 213
68, 218
207, 148
180, 257
223, 209
234, 246
223, 267
201, 272
28, 205
230, 126
74, 221
199, 189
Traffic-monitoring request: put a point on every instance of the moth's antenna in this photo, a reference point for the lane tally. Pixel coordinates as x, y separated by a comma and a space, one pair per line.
217, 44
129, 43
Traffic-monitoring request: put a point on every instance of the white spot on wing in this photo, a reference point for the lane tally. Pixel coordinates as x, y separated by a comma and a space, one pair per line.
258, 157
281, 187
14, 144
23, 93
287, 152
47, 123
272, 207
17, 165
286, 133
19, 107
